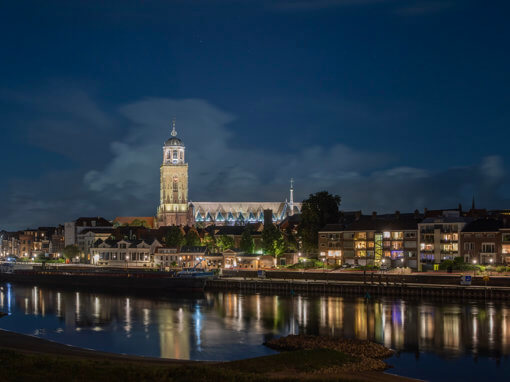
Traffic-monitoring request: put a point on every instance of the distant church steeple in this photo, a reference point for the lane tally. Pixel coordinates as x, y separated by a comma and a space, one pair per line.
291, 204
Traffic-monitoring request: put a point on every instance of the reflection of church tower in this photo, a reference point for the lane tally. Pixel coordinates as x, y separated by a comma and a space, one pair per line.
173, 206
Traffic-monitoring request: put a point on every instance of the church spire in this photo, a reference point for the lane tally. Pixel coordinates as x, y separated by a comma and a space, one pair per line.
174, 133
291, 204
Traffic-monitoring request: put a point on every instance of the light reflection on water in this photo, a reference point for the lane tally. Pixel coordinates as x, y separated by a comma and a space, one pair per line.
222, 326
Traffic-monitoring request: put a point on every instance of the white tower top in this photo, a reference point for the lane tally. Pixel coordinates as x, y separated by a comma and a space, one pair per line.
291, 204
174, 132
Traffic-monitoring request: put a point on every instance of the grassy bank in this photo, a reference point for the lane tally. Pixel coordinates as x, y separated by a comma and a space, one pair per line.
25, 358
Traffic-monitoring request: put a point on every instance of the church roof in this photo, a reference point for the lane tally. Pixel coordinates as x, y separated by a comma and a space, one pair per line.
174, 141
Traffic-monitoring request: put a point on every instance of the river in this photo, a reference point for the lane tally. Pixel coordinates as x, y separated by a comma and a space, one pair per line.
436, 340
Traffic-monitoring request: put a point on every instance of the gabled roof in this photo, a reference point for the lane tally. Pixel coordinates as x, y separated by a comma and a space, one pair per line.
333, 228
96, 230
384, 223
128, 220
193, 249
92, 222
483, 225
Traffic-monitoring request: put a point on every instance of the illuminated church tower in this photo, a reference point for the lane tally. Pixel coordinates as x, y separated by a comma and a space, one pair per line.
173, 206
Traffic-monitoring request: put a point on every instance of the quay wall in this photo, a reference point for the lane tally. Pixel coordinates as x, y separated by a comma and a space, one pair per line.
359, 289
375, 277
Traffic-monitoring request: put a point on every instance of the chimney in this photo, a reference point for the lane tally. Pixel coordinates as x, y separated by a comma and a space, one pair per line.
416, 214
374, 215
268, 218
425, 210
397, 215
358, 215
460, 208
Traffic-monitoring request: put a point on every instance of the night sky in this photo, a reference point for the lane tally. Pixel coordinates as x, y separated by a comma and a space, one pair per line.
392, 104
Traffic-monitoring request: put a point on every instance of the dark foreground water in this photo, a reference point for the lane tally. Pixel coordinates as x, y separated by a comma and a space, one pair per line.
437, 341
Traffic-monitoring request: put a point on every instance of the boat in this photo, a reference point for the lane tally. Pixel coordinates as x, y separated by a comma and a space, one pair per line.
195, 273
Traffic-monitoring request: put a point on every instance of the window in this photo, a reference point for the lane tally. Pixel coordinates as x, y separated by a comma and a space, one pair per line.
360, 235
175, 154
396, 245
386, 235
397, 235
469, 246
175, 184
488, 248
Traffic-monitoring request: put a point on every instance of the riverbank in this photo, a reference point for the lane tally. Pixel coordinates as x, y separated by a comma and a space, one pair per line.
362, 288
34, 359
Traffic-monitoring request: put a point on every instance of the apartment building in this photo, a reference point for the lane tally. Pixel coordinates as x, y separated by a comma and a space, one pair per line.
481, 242
439, 237
372, 240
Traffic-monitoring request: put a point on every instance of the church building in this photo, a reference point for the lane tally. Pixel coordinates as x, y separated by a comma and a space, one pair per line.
176, 209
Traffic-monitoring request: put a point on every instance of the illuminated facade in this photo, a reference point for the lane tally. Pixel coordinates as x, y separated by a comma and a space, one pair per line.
173, 206
439, 237
371, 240
175, 209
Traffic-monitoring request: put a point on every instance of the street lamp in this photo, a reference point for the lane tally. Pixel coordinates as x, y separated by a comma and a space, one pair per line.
474, 261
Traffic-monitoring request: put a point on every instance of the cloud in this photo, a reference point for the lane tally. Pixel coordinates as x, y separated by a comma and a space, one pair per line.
221, 171
63, 119
126, 180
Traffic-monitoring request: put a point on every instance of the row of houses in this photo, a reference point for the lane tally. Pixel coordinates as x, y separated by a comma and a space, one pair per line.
418, 241
126, 253
32, 242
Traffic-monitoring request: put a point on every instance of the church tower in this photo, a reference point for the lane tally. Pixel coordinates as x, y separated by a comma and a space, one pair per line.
173, 206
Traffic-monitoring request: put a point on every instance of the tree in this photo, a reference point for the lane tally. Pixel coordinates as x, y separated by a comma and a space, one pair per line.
174, 237
225, 242
71, 251
247, 244
318, 210
139, 223
279, 246
273, 242
209, 241
291, 240
192, 239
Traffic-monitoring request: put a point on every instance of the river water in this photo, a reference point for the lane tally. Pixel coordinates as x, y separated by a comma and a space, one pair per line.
435, 340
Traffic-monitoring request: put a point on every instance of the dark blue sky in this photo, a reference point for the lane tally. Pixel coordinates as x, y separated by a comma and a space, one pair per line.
392, 104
